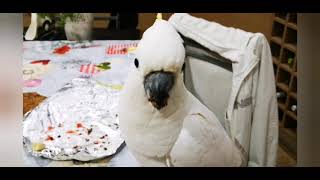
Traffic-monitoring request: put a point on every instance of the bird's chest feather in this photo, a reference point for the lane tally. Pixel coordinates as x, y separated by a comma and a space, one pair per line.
145, 128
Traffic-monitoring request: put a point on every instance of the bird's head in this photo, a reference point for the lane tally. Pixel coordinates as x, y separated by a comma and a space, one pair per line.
160, 61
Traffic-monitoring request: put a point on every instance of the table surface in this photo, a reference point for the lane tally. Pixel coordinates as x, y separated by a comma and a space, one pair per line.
54, 65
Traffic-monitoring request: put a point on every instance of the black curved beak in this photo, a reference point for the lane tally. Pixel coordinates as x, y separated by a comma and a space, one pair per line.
157, 86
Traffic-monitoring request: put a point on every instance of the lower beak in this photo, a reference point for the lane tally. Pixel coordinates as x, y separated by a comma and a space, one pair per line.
157, 86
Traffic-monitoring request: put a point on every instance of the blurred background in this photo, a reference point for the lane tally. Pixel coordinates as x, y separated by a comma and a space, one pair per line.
130, 26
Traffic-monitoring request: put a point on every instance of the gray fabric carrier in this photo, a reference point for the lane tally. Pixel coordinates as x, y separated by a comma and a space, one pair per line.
208, 76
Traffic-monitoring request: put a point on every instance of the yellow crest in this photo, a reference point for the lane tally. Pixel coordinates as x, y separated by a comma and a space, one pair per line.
159, 16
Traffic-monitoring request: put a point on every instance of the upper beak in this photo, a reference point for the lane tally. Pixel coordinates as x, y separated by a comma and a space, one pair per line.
157, 86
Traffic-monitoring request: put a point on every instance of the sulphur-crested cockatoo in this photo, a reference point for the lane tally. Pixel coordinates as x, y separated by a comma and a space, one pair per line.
162, 123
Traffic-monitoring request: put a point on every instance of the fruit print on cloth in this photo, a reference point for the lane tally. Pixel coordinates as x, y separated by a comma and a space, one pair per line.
43, 62
93, 69
89, 69
32, 72
62, 47
62, 50
120, 49
104, 66
32, 82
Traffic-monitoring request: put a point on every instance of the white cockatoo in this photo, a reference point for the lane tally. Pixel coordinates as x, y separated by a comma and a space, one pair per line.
162, 123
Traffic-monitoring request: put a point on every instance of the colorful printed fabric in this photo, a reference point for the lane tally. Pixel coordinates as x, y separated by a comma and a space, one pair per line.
43, 62
32, 82
104, 66
62, 50
119, 49
32, 72
72, 59
89, 69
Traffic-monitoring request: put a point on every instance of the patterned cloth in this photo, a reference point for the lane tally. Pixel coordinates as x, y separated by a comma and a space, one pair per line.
117, 49
48, 65
89, 69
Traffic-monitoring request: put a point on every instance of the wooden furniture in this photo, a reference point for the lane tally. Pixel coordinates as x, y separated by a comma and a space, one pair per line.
283, 45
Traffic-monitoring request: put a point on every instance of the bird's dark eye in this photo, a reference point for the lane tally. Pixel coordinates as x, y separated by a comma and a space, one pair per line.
183, 67
136, 62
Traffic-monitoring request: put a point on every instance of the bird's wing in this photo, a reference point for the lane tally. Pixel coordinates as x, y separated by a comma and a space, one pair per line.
204, 142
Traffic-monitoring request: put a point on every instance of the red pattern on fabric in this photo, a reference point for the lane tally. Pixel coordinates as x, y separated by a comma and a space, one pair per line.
43, 62
89, 69
117, 49
62, 50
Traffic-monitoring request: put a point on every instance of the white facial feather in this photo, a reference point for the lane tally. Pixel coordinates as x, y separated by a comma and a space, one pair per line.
161, 48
